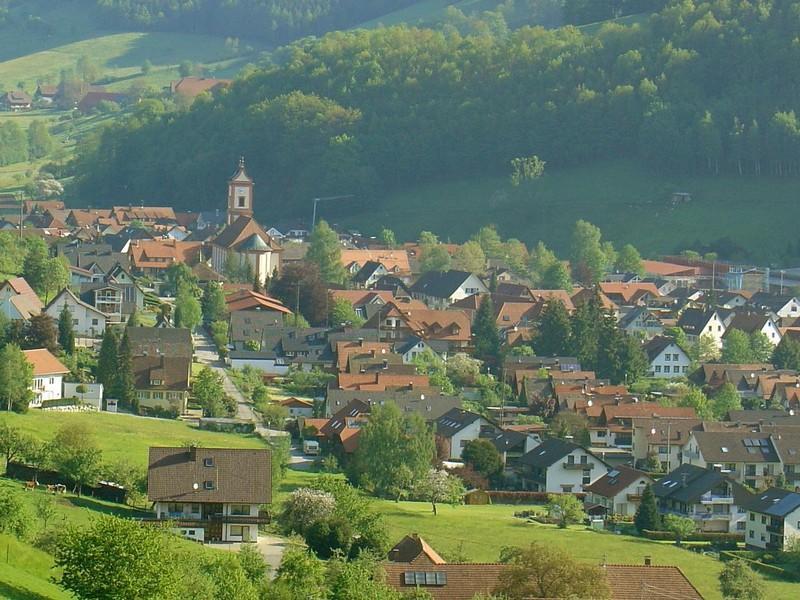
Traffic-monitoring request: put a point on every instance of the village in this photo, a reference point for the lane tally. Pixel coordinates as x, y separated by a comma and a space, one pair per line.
658, 402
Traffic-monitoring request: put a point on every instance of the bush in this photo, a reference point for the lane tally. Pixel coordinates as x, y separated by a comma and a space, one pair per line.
46, 540
330, 536
698, 536
506, 497
757, 565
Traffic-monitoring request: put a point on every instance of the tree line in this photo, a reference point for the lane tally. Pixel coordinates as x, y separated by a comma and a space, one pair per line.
695, 88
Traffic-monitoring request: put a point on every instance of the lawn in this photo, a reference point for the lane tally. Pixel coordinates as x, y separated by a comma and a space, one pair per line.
627, 201
480, 532
25, 572
123, 436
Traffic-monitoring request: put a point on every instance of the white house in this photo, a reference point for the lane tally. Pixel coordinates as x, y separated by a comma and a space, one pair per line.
779, 307
298, 407
751, 323
439, 290
666, 358
18, 301
48, 376
210, 494
773, 519
456, 427
87, 321
558, 465
696, 322
619, 491
268, 362
639, 320
748, 457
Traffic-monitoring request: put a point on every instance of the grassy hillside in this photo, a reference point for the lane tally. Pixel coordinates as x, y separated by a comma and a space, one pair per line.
480, 532
627, 201
25, 572
128, 437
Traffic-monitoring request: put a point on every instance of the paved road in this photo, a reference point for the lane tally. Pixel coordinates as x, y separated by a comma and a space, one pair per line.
205, 353
298, 460
271, 548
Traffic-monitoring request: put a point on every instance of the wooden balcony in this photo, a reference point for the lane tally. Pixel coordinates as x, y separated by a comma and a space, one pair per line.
578, 466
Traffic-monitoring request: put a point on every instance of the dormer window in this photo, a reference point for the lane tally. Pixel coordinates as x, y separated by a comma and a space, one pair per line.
155, 382
208, 462
208, 485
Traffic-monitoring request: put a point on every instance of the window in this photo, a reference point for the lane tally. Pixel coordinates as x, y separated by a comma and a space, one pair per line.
676, 369
241, 202
587, 477
95, 322
52, 380
763, 519
675, 357
567, 489
209, 485
75, 322
424, 578
155, 382
740, 526
158, 395
195, 509
763, 538
752, 516
667, 357
208, 462
584, 459
237, 530
173, 508
658, 368
571, 459
685, 369
662, 449
752, 534
240, 510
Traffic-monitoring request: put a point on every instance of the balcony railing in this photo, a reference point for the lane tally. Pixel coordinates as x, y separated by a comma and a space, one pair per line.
578, 466
714, 499
634, 497
263, 518
776, 529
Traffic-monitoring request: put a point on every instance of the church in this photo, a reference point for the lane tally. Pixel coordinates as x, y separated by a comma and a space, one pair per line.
243, 243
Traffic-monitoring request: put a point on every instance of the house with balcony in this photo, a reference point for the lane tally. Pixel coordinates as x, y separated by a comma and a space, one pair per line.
713, 500
663, 438
398, 321
162, 364
618, 492
87, 321
48, 376
456, 427
748, 457
773, 519
210, 494
614, 426
787, 444
441, 289
560, 466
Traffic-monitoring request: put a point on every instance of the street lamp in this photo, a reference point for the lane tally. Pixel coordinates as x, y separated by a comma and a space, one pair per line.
318, 200
669, 450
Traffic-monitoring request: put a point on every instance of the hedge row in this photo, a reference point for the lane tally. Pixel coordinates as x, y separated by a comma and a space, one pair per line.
757, 565
699, 536
508, 497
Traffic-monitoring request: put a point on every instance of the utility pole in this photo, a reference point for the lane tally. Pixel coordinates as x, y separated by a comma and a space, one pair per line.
318, 200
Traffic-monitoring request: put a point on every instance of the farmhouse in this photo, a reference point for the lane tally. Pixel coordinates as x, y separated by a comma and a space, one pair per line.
48, 376
560, 466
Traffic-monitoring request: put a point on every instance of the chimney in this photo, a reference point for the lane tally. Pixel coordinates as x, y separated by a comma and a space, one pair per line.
193, 453
648, 561
385, 364
683, 480
411, 385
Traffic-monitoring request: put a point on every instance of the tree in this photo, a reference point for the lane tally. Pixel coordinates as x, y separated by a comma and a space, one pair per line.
14, 516
188, 313
567, 424
213, 303
553, 335
737, 347
629, 261
556, 277
40, 142
565, 508
124, 381
388, 238
41, 332
66, 331
647, 516
87, 69
273, 415
428, 363
738, 581
147, 66
725, 400
470, 257
330, 536
45, 509
300, 287
761, 348
787, 353
482, 456
489, 241
706, 349
435, 258
484, 330
590, 256
540, 571
107, 360
438, 487
304, 507
253, 563
302, 575
325, 251
527, 168
681, 527
133, 319
697, 400
76, 455
343, 312
389, 440
208, 392
16, 379
56, 277
463, 370
117, 558
13, 442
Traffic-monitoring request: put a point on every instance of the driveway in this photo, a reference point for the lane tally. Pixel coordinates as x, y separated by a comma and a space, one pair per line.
205, 353
271, 548
298, 460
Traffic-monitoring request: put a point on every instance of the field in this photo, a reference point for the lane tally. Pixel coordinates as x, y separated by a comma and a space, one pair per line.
25, 572
627, 201
128, 437
480, 532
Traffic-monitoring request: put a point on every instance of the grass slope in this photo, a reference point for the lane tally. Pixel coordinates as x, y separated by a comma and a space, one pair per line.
480, 532
25, 572
627, 201
127, 437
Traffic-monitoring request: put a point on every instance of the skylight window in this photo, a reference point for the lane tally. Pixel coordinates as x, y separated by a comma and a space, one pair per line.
724, 449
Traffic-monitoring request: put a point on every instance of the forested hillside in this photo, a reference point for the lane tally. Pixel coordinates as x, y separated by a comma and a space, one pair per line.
699, 88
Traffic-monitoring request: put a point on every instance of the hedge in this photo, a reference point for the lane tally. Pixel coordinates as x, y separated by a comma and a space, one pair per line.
699, 536
508, 497
757, 565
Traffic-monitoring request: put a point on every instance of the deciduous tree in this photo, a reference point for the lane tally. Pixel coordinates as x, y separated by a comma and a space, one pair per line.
738, 581
483, 457
325, 251
16, 379
76, 455
566, 509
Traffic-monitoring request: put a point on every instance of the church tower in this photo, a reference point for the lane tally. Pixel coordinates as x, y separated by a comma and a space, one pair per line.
240, 194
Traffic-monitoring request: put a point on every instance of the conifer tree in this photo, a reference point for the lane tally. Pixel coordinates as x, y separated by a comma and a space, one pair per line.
123, 382
484, 328
107, 360
647, 516
66, 332
553, 338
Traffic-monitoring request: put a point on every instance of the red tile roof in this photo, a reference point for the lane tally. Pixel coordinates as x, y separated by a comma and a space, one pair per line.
44, 363
634, 582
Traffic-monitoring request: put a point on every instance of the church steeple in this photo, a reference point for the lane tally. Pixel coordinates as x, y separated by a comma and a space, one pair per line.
240, 194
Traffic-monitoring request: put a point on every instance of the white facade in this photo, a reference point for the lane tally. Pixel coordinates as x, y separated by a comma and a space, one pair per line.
189, 514
471, 285
570, 473
467, 434
714, 328
46, 387
87, 321
670, 363
765, 531
270, 366
90, 393
626, 501
263, 264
